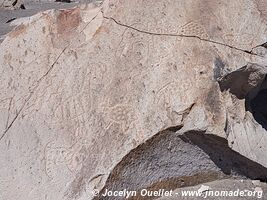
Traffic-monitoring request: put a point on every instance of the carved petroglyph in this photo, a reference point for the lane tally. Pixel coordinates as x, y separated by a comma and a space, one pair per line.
78, 156
98, 77
78, 103
74, 114
72, 157
193, 29
55, 156
133, 45
167, 94
123, 47
121, 114
71, 110
164, 51
240, 39
246, 39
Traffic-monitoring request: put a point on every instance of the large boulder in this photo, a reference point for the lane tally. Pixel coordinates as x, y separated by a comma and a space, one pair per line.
83, 89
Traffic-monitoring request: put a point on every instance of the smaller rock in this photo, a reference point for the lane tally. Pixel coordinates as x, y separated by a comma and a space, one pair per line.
258, 189
261, 51
256, 182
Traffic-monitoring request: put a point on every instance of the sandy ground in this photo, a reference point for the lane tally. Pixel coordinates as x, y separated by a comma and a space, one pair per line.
31, 8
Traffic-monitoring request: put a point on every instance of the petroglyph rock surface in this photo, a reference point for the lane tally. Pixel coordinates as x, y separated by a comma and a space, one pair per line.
84, 89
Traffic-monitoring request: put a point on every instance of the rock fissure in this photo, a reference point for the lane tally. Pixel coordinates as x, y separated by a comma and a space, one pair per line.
31, 93
40, 80
181, 35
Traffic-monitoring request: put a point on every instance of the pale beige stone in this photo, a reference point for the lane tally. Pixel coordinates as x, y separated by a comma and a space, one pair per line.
81, 88
256, 182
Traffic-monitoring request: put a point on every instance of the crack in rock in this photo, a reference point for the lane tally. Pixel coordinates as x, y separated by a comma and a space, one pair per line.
181, 35
40, 80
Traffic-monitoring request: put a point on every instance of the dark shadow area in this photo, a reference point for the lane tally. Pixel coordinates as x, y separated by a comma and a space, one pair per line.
264, 45
249, 83
259, 108
22, 7
229, 161
256, 103
239, 82
10, 20
15, 2
169, 161
219, 68
163, 162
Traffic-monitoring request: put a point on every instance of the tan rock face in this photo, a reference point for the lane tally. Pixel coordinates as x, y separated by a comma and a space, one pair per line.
82, 88
9, 4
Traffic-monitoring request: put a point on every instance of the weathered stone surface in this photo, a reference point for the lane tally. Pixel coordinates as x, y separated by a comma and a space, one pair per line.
169, 161
8, 15
82, 88
243, 80
9, 4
